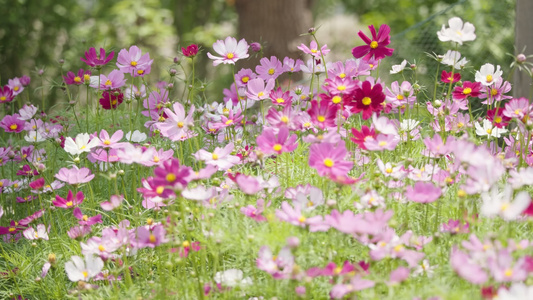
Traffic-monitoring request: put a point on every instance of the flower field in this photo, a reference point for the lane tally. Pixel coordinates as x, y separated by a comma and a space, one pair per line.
342, 185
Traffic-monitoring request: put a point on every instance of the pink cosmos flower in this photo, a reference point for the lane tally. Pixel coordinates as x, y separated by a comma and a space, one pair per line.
279, 266
70, 202
255, 213
114, 80
248, 184
77, 232
313, 49
244, 76
323, 114
270, 143
229, 50
360, 137
287, 117
496, 92
328, 159
114, 202
423, 192
80, 78
466, 268
37, 184
74, 175
339, 86
291, 66
269, 68
15, 85
133, 62
177, 124
94, 60
111, 142
455, 227
375, 47
257, 89
12, 123
86, 220
102, 246
281, 98
40, 234
79, 270
220, 157
398, 275
356, 284
172, 174
469, 89
382, 142
517, 108
145, 237
6, 94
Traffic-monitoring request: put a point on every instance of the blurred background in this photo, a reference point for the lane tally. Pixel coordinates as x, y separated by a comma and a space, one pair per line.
37, 34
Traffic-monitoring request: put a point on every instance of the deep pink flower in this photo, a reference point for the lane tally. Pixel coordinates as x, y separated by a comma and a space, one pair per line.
447, 77
133, 62
270, 143
497, 117
329, 159
80, 78
281, 98
323, 114
423, 192
75, 175
6, 94
12, 123
86, 220
70, 202
26, 170
190, 51
360, 137
367, 99
94, 60
172, 174
374, 47
469, 89
37, 184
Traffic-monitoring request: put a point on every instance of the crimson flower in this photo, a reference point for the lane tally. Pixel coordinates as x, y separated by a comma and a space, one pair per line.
94, 60
447, 77
469, 89
374, 47
111, 99
497, 118
190, 51
367, 99
360, 137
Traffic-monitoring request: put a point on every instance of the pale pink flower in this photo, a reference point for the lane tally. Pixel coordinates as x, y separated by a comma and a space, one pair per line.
423, 192
220, 157
74, 175
229, 50
79, 270
114, 202
40, 234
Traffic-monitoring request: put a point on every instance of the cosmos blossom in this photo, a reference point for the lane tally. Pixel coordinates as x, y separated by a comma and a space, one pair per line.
94, 60
375, 47
329, 159
229, 50
269, 143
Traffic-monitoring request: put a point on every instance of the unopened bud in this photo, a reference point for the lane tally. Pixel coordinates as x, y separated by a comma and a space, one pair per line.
521, 58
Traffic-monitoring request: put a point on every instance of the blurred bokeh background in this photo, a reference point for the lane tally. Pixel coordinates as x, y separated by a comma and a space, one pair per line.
37, 34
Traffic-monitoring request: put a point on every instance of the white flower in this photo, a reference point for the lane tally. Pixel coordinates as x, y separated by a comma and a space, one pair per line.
82, 144
488, 129
520, 178
501, 204
77, 269
27, 112
408, 124
453, 58
424, 267
398, 68
518, 291
34, 136
383, 125
1, 211
31, 234
136, 136
232, 278
458, 32
487, 76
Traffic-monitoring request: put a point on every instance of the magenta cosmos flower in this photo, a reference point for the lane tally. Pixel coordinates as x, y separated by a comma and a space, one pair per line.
6, 94
229, 50
469, 89
94, 60
133, 62
70, 202
111, 99
269, 143
329, 160
114, 80
75, 175
86, 220
190, 51
81, 77
374, 47
423, 192
172, 174
12, 123
323, 113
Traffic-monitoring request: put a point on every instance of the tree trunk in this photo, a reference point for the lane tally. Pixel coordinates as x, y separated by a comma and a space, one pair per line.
523, 38
276, 25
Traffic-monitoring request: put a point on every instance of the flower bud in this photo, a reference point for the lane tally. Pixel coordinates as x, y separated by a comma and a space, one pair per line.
521, 58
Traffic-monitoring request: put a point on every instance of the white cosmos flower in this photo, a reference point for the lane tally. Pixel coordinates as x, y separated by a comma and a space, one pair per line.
408, 124
398, 68
77, 269
518, 291
232, 278
136, 136
487, 75
453, 58
82, 144
40, 233
488, 129
502, 204
34, 136
457, 32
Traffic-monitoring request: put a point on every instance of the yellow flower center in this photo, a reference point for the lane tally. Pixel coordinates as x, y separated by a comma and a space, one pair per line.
493, 92
336, 99
314, 51
214, 156
77, 79
186, 244
341, 88
228, 122
13, 127
155, 159
285, 119
230, 55
170, 177
280, 100
498, 120
321, 119
101, 248
460, 124
159, 190
374, 45
399, 97
489, 78
271, 71
108, 82
489, 131
328, 162
342, 75
301, 219
245, 79
260, 94
277, 147
517, 111
16, 88
388, 170
307, 125
152, 239
133, 63
180, 124
11, 229
85, 274
85, 218
467, 91
69, 204
461, 193
504, 207
367, 101
107, 142
3, 98
140, 72
113, 102
382, 144
508, 273
86, 77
